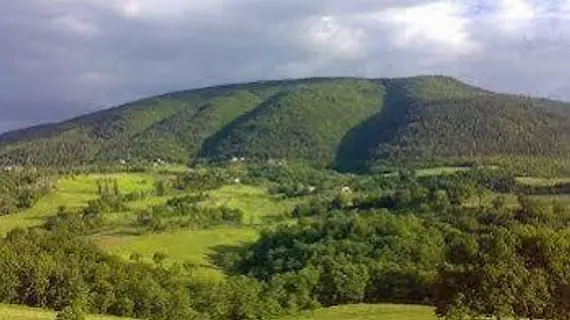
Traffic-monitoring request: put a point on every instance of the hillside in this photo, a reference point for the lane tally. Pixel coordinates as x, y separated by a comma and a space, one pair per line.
348, 123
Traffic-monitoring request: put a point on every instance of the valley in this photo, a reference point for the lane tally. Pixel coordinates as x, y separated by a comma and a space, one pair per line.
321, 198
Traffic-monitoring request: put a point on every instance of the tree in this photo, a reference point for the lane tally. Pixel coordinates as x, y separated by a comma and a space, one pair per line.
26, 198
135, 256
73, 312
160, 188
116, 190
159, 257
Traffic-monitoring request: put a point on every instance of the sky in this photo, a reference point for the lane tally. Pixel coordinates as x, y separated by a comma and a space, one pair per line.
62, 58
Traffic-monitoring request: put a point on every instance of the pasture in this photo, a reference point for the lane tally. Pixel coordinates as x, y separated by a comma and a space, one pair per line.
122, 237
10, 312
181, 246
348, 312
368, 312
73, 192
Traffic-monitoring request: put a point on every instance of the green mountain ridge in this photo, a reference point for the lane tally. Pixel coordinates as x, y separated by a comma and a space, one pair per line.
347, 123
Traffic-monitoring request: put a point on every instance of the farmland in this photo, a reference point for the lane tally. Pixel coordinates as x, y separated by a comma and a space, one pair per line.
224, 228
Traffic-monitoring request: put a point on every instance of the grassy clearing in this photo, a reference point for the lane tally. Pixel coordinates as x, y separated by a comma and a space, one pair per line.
10, 312
180, 246
254, 201
369, 312
197, 245
437, 171
73, 192
542, 182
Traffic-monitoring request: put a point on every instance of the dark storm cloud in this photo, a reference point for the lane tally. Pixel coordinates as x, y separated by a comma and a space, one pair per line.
60, 58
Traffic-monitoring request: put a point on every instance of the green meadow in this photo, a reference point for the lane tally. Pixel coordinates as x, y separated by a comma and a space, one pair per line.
198, 246
195, 246
73, 192
349, 312
10, 312
179, 245
368, 312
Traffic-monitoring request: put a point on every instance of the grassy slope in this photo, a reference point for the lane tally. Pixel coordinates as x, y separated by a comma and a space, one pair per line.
10, 312
349, 312
179, 245
182, 245
198, 245
369, 312
72, 192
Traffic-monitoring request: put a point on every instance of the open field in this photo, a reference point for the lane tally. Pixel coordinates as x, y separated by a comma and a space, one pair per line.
436, 171
122, 237
255, 202
9, 312
542, 182
197, 245
73, 192
185, 245
369, 312
349, 312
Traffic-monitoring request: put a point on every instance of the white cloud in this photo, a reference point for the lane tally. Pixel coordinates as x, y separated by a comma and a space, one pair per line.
517, 10
328, 34
76, 25
110, 51
515, 17
164, 10
441, 25
565, 9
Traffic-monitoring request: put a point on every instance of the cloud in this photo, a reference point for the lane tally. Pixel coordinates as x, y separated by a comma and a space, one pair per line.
61, 58
330, 34
159, 10
442, 25
74, 24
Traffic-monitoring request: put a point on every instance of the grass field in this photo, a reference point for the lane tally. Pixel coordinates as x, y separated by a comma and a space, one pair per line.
121, 236
198, 245
369, 312
180, 246
254, 201
542, 182
73, 192
437, 171
9, 312
350, 312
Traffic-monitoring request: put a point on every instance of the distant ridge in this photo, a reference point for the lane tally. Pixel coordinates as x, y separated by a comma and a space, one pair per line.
347, 123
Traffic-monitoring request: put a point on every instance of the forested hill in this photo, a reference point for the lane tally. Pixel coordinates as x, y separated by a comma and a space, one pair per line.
345, 122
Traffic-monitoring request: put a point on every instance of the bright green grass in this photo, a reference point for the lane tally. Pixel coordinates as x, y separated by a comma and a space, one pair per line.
440, 171
128, 182
437, 171
369, 312
73, 192
10, 312
180, 246
542, 182
198, 245
255, 202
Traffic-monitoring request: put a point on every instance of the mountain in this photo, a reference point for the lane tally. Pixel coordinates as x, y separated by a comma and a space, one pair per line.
348, 123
